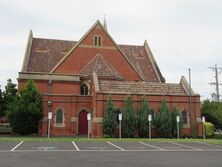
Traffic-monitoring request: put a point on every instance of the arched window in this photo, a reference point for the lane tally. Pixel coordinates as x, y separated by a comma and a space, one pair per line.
84, 89
184, 117
59, 116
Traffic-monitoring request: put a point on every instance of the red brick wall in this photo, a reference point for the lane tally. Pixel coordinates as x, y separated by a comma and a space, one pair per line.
72, 104
180, 102
81, 56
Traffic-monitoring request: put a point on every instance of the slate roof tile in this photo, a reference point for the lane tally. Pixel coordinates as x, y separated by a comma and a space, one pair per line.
46, 53
132, 87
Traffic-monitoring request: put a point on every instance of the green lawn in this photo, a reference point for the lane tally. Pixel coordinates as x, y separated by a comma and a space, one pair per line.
69, 139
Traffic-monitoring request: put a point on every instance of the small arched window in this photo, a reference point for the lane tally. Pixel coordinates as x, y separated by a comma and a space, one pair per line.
59, 116
84, 89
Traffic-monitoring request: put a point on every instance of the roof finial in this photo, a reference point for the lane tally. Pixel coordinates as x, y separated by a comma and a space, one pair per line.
104, 22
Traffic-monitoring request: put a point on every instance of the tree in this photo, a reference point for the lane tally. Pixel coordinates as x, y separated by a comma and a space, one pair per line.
142, 118
213, 112
8, 96
163, 120
109, 119
1, 103
129, 118
174, 114
25, 111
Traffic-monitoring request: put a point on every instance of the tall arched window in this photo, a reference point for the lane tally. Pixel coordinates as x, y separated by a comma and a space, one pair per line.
84, 89
59, 116
184, 117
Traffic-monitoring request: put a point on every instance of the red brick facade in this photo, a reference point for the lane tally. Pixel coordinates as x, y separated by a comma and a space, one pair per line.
60, 68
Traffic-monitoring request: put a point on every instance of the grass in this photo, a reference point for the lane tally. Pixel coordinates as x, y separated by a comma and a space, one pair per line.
70, 139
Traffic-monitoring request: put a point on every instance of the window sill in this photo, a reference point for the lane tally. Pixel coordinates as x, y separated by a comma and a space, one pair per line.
59, 125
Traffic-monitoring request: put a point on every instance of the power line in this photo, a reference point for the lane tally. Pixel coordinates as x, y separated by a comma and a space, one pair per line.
216, 96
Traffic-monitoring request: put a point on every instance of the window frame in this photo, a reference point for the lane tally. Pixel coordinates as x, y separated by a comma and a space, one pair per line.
85, 92
187, 124
97, 41
62, 123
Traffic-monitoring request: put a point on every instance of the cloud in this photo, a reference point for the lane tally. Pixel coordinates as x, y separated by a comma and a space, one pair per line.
182, 34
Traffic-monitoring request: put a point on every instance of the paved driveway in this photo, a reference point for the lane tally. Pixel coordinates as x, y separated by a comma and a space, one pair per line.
124, 154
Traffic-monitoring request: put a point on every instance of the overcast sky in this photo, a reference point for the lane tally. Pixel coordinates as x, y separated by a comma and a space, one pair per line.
182, 34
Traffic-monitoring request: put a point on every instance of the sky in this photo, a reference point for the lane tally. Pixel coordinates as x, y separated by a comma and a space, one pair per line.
182, 34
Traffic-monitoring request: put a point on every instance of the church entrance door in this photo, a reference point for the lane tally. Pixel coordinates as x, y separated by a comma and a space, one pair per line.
83, 123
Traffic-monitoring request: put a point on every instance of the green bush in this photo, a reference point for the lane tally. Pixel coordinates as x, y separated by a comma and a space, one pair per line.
213, 112
209, 129
129, 118
142, 116
25, 111
163, 120
109, 119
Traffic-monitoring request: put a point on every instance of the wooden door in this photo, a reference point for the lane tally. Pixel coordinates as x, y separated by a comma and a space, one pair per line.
83, 123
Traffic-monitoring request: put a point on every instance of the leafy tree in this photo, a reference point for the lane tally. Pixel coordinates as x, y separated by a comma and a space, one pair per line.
142, 118
213, 112
25, 111
129, 118
109, 119
8, 96
163, 120
174, 114
1, 103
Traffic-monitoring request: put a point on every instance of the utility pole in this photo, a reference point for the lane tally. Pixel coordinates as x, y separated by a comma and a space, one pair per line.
195, 126
216, 83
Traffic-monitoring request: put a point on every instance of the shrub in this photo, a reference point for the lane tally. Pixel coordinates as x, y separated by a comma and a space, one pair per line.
212, 111
209, 129
109, 119
163, 120
129, 118
25, 111
174, 114
142, 118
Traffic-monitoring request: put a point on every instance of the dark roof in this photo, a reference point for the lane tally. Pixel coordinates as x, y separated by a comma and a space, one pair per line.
132, 87
140, 61
46, 53
102, 68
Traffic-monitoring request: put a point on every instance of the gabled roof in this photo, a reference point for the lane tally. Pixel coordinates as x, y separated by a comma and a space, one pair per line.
102, 68
45, 55
98, 23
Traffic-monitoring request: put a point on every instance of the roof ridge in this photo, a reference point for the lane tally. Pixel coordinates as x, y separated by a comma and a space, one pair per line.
97, 57
83, 37
88, 63
54, 39
104, 63
107, 65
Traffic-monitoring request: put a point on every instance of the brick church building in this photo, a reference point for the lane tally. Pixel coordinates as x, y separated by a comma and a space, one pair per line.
76, 78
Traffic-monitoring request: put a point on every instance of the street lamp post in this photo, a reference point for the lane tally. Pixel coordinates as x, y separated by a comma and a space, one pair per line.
150, 119
49, 117
120, 119
203, 121
178, 128
88, 118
